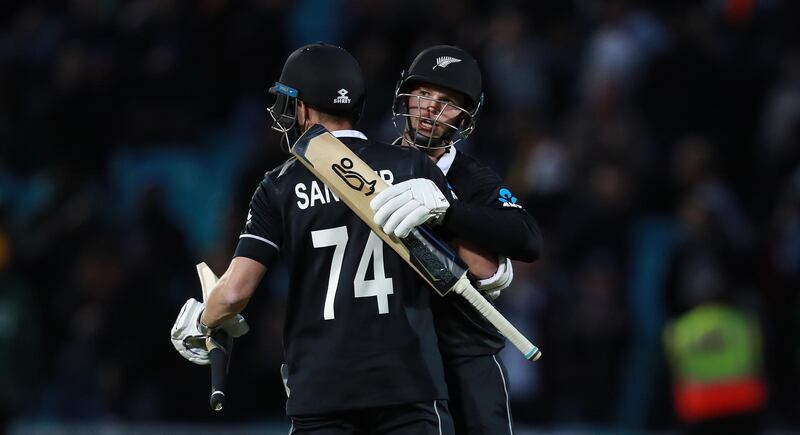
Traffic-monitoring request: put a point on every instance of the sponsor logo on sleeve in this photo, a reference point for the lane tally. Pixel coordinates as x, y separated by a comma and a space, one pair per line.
508, 199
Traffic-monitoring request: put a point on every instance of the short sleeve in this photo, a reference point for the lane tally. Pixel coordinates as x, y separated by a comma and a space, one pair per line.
262, 236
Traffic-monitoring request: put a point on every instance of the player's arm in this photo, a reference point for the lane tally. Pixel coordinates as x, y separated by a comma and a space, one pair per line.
257, 245
509, 230
483, 188
482, 263
233, 291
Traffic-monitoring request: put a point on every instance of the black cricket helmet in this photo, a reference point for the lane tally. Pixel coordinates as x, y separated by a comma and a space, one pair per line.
323, 76
448, 67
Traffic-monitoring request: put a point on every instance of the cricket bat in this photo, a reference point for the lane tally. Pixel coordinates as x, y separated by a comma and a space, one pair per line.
218, 357
355, 183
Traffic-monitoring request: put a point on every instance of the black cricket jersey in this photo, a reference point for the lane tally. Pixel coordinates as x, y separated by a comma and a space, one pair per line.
462, 330
359, 329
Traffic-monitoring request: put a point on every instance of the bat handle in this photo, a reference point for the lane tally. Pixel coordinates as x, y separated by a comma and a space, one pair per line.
465, 289
219, 368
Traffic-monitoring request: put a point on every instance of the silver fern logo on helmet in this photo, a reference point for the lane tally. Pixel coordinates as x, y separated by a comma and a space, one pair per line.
443, 61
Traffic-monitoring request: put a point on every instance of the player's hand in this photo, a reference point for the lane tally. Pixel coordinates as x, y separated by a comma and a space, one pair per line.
498, 282
189, 336
404, 206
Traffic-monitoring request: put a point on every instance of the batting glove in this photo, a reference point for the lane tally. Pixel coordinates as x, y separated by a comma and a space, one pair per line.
404, 206
498, 282
189, 335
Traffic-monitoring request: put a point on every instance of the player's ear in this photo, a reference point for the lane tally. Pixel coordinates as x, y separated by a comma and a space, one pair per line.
302, 116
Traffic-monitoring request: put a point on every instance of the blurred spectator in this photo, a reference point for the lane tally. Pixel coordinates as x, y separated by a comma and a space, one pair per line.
514, 63
695, 172
543, 174
714, 348
618, 51
715, 353
587, 314
589, 343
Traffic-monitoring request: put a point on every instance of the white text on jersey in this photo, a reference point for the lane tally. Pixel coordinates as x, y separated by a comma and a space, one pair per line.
323, 195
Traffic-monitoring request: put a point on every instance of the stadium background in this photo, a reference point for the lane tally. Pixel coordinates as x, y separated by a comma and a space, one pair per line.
655, 142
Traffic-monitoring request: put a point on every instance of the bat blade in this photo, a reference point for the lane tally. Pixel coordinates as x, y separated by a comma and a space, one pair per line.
356, 183
207, 279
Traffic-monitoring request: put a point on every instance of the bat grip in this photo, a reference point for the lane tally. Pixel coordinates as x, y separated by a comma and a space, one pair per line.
219, 368
465, 289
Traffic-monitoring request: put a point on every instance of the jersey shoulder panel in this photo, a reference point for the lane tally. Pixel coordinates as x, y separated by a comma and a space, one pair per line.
262, 236
476, 183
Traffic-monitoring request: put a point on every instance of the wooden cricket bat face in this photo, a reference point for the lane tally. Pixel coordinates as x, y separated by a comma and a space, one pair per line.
352, 180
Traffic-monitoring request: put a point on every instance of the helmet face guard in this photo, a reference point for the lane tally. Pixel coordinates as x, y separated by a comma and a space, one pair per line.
284, 112
444, 66
456, 129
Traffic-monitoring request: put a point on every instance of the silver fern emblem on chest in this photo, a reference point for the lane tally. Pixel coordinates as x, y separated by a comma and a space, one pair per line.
443, 61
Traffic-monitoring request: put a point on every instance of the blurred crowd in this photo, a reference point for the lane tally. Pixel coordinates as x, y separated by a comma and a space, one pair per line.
656, 143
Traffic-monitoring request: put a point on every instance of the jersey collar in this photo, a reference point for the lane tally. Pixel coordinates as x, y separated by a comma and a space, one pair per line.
349, 133
446, 160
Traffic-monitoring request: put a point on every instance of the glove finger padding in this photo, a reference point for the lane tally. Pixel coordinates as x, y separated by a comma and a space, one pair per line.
387, 195
402, 207
398, 216
186, 323
389, 207
197, 355
186, 336
417, 217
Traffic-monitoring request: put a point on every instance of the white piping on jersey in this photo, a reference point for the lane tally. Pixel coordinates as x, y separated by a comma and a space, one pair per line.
349, 133
438, 417
446, 160
503, 378
291, 428
251, 236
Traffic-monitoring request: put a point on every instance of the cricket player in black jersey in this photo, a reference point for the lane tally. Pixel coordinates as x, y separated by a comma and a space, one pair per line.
359, 338
435, 105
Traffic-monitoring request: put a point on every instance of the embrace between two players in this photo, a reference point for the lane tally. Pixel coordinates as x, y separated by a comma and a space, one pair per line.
397, 358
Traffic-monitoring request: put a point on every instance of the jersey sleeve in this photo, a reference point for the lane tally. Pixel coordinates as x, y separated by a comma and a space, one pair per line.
489, 215
262, 235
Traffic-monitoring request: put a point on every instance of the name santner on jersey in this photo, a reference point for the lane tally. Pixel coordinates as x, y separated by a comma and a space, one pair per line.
311, 196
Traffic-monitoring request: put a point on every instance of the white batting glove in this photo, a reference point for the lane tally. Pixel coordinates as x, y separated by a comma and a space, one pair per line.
189, 336
498, 282
404, 206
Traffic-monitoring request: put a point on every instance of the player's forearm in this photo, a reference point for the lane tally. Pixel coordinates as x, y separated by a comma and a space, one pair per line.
510, 233
223, 304
233, 291
482, 263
